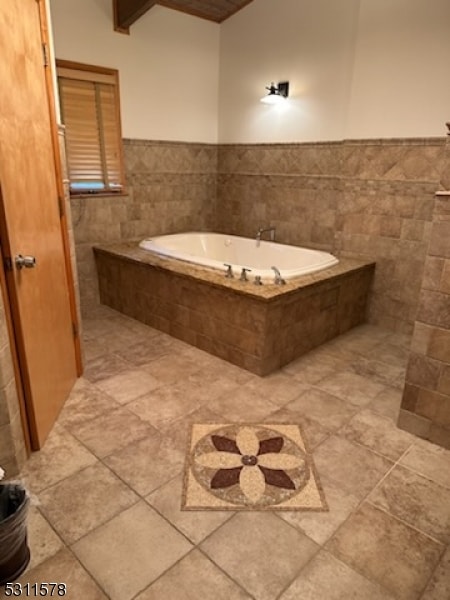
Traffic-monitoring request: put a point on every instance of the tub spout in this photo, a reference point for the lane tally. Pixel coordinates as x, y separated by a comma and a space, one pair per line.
278, 279
261, 230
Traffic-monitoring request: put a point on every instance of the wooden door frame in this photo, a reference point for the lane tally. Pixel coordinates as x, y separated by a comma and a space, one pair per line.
49, 68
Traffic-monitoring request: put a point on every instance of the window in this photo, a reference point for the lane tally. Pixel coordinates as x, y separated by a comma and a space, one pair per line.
89, 98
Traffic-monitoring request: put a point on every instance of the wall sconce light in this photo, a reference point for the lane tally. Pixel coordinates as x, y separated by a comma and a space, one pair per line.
276, 93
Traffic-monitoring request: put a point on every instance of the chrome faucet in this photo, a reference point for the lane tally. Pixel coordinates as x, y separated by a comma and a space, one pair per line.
278, 279
244, 272
229, 272
261, 230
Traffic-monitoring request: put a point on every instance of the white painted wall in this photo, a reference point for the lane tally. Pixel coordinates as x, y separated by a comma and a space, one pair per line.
308, 42
168, 66
401, 82
357, 68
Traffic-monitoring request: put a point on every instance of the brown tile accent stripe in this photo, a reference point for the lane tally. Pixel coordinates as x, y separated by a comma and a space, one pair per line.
250, 467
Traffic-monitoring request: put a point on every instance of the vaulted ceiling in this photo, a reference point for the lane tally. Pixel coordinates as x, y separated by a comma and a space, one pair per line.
126, 12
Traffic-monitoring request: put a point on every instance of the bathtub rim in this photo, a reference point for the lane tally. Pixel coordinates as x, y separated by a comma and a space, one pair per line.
267, 275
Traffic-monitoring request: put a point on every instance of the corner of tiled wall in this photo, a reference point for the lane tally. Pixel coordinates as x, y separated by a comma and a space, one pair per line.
170, 187
425, 409
12, 444
363, 199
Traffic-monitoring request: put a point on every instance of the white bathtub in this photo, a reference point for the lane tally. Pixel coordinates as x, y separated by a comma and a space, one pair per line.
213, 250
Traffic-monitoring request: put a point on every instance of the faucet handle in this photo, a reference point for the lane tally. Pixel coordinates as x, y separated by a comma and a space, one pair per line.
229, 272
258, 280
244, 272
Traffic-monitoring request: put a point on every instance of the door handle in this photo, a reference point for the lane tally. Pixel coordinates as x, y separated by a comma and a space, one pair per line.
25, 261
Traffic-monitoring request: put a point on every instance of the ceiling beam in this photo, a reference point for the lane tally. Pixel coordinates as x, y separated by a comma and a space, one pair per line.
216, 11
126, 12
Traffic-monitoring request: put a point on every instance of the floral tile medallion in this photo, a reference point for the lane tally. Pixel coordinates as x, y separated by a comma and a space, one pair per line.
250, 467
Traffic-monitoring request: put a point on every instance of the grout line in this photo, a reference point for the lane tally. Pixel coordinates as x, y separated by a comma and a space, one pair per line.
295, 527
233, 516
193, 543
91, 575
298, 573
54, 484
196, 546
433, 573
380, 586
247, 592
367, 576
424, 475
50, 524
163, 573
352, 566
383, 478
139, 498
361, 445
367, 500
409, 525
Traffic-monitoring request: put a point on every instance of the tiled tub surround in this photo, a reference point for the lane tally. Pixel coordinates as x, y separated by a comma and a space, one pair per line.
259, 328
425, 408
366, 199
170, 187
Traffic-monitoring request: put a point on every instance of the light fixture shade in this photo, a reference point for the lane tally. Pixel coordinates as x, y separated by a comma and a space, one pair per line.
276, 93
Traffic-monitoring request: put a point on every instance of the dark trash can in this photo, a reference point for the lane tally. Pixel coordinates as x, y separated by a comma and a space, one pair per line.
14, 551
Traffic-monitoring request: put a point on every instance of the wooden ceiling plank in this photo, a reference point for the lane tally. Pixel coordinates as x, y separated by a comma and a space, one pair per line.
217, 10
126, 12
238, 6
188, 8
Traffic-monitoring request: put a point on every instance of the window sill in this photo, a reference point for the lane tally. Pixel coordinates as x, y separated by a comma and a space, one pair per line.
99, 195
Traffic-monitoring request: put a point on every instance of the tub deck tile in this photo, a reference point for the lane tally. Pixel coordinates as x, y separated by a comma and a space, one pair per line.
258, 328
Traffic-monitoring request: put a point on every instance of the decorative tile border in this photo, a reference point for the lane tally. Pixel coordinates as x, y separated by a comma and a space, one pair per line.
250, 467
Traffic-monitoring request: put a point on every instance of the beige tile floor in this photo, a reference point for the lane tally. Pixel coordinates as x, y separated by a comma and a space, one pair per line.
106, 487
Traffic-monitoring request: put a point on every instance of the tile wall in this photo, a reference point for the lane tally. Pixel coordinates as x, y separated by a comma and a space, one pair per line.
365, 199
425, 408
171, 187
69, 224
368, 199
12, 444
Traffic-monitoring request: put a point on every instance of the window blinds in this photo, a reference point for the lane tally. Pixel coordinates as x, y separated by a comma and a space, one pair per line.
90, 112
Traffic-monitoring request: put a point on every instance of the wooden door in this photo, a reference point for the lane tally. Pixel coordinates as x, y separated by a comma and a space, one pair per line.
30, 221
